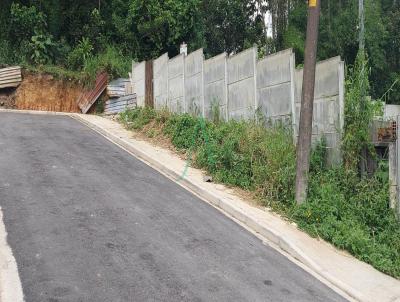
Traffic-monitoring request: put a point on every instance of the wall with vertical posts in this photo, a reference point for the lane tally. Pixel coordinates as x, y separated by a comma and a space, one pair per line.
243, 86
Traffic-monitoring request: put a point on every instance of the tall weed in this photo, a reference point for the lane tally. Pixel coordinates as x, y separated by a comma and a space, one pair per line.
350, 212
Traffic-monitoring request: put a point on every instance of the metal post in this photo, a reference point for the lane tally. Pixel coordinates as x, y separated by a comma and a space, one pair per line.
307, 100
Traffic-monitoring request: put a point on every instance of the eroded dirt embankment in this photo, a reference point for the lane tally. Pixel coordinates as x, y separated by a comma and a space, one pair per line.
43, 92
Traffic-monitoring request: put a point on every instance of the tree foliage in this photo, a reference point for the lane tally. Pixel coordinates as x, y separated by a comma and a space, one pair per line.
143, 29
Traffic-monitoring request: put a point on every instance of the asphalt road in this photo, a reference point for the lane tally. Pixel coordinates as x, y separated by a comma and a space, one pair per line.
89, 222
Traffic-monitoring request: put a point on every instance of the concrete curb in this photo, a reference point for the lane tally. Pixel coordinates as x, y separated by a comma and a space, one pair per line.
270, 234
38, 112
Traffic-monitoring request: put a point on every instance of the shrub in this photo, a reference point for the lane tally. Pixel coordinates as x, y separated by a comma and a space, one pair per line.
111, 60
41, 48
350, 212
5, 52
80, 54
24, 22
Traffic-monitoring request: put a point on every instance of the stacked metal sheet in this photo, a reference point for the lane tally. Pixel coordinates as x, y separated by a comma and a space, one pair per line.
118, 88
10, 77
118, 105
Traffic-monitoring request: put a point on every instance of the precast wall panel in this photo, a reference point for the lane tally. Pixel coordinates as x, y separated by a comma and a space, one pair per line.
275, 87
176, 86
242, 84
139, 83
328, 105
160, 82
194, 92
215, 87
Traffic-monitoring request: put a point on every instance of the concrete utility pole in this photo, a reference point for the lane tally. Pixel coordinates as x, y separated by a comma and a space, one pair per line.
307, 102
361, 49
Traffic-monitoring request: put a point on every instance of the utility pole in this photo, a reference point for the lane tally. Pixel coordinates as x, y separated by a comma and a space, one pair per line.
361, 48
307, 101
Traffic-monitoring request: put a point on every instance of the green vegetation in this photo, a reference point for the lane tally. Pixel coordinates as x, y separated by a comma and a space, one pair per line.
67, 33
350, 212
76, 40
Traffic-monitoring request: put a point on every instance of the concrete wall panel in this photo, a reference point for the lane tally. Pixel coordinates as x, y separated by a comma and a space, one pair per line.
160, 82
274, 69
138, 73
215, 87
241, 66
274, 102
194, 82
274, 86
328, 111
241, 99
242, 84
176, 89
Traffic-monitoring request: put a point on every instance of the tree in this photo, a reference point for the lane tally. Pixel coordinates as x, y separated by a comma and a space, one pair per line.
232, 25
161, 26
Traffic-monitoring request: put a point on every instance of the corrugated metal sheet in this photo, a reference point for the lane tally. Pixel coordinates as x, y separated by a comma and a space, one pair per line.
88, 98
114, 106
118, 88
10, 77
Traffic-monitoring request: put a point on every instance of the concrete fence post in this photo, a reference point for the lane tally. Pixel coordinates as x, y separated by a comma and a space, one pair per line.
255, 58
292, 67
226, 88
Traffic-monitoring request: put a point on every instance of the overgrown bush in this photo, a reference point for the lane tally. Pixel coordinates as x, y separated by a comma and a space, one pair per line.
353, 214
28, 31
80, 54
42, 48
350, 212
24, 22
110, 60
6, 56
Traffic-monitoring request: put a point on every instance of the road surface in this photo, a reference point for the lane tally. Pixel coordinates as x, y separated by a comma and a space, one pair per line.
87, 221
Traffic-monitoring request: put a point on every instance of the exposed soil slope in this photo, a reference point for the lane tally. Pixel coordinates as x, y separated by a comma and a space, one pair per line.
43, 92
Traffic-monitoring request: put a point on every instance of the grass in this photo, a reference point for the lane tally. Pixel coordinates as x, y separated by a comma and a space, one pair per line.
57, 72
110, 60
341, 208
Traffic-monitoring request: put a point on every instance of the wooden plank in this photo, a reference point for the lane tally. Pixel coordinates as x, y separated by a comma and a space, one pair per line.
149, 98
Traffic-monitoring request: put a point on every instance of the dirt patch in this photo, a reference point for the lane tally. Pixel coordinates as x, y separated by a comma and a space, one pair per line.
43, 92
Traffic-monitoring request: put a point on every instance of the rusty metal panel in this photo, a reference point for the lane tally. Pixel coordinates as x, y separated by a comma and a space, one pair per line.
10, 77
88, 98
